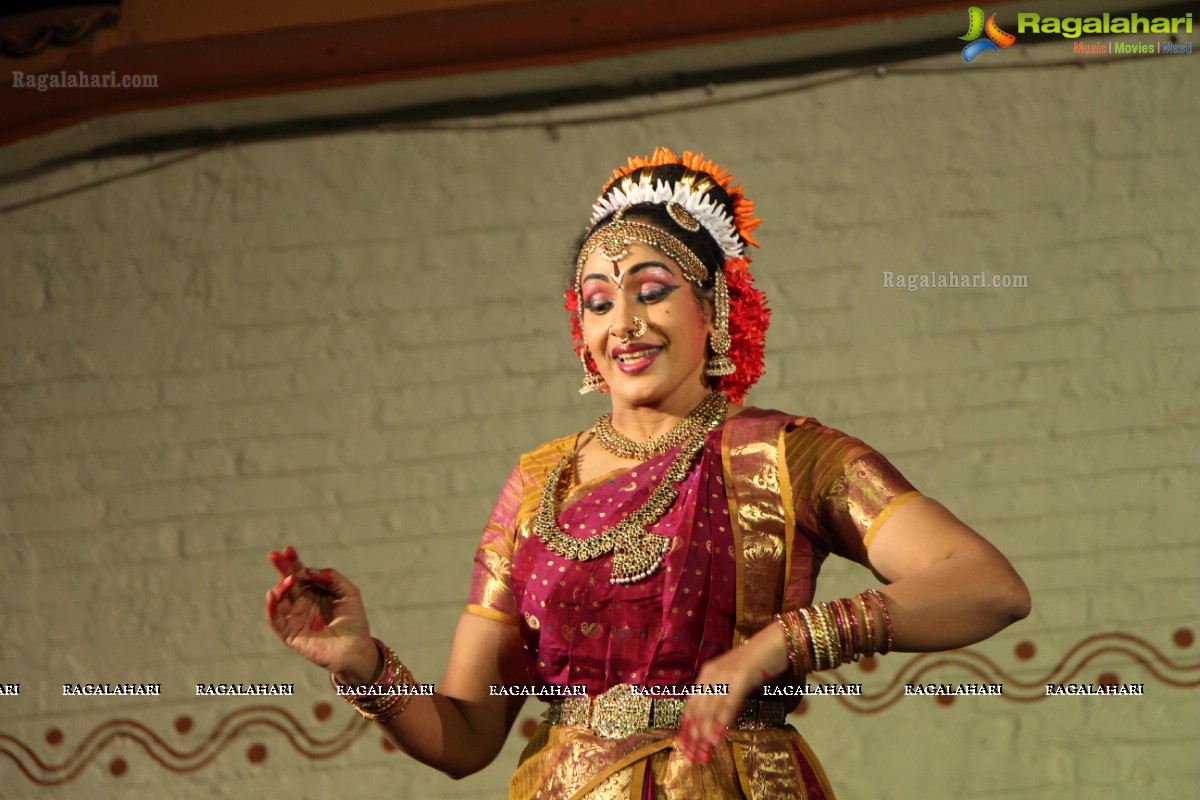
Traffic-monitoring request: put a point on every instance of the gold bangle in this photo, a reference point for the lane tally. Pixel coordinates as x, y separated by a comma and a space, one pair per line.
814, 638
834, 641
822, 646
789, 642
868, 621
827, 635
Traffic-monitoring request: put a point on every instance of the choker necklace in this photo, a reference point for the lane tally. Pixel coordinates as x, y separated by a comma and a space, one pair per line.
619, 445
637, 553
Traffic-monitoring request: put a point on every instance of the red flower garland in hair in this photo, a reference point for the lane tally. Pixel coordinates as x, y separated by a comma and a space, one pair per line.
571, 304
748, 321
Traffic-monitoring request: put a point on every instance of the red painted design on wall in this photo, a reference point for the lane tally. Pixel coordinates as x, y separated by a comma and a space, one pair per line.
246, 727
1074, 667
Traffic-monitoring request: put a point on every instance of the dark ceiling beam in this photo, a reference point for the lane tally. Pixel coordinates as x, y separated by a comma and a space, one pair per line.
520, 34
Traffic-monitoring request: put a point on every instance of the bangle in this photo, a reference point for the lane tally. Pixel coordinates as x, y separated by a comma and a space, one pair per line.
827, 635
887, 621
815, 650
845, 635
850, 647
790, 641
868, 620
834, 641
822, 645
388, 696
804, 637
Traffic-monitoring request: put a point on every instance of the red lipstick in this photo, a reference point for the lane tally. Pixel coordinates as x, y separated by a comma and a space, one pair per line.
634, 366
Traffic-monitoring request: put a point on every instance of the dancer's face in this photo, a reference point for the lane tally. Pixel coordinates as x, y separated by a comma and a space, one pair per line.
664, 364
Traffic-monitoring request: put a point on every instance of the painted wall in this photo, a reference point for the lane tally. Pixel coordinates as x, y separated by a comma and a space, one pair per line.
343, 343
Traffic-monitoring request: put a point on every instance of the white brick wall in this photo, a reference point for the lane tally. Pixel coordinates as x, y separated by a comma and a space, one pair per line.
343, 343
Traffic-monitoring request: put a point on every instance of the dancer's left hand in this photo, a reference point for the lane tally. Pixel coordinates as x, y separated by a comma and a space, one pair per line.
744, 670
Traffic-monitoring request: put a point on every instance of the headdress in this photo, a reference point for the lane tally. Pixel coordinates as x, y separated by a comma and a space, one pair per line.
696, 194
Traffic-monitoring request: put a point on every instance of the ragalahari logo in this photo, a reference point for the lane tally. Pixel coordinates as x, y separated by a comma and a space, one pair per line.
976, 27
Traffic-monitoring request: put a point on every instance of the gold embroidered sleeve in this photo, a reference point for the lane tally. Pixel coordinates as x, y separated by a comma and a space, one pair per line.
861, 499
491, 588
843, 490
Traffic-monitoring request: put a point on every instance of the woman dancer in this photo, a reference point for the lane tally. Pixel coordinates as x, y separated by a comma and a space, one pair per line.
665, 559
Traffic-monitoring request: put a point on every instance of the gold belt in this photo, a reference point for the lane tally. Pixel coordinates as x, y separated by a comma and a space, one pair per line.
625, 710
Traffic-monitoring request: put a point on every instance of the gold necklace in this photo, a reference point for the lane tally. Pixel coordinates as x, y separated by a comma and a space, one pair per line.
637, 553
619, 445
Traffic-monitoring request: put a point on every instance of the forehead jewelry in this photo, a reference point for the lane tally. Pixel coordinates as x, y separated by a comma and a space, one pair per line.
683, 218
612, 241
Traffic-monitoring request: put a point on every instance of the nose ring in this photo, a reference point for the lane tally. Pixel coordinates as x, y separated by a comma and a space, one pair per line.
638, 331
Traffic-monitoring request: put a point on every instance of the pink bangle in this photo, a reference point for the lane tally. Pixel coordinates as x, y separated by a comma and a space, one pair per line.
851, 646
869, 621
887, 620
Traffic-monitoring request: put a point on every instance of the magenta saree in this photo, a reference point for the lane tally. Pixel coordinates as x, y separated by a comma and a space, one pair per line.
771, 496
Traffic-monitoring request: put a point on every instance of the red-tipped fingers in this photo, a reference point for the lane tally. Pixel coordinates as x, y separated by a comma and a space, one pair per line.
716, 734
684, 739
696, 746
701, 733
287, 562
321, 577
281, 563
703, 749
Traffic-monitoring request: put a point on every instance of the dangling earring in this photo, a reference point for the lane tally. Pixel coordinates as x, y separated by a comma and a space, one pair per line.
592, 381
719, 340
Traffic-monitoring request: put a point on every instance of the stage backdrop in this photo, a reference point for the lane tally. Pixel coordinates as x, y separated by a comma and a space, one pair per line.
344, 342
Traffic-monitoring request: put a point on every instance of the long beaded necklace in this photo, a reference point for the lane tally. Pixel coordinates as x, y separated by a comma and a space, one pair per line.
619, 445
637, 553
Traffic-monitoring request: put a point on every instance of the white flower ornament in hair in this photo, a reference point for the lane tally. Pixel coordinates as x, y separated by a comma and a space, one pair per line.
716, 220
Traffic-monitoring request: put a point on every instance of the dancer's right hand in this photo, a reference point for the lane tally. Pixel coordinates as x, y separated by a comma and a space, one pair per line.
320, 615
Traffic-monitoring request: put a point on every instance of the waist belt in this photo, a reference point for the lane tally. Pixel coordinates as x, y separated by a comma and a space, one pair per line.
624, 710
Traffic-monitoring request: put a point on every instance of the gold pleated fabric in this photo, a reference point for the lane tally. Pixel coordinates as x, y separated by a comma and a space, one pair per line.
563, 763
761, 519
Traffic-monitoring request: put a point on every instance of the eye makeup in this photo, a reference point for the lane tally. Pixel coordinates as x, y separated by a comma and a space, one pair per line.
653, 281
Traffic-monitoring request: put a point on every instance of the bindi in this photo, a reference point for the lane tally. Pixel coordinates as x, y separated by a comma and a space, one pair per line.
617, 277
